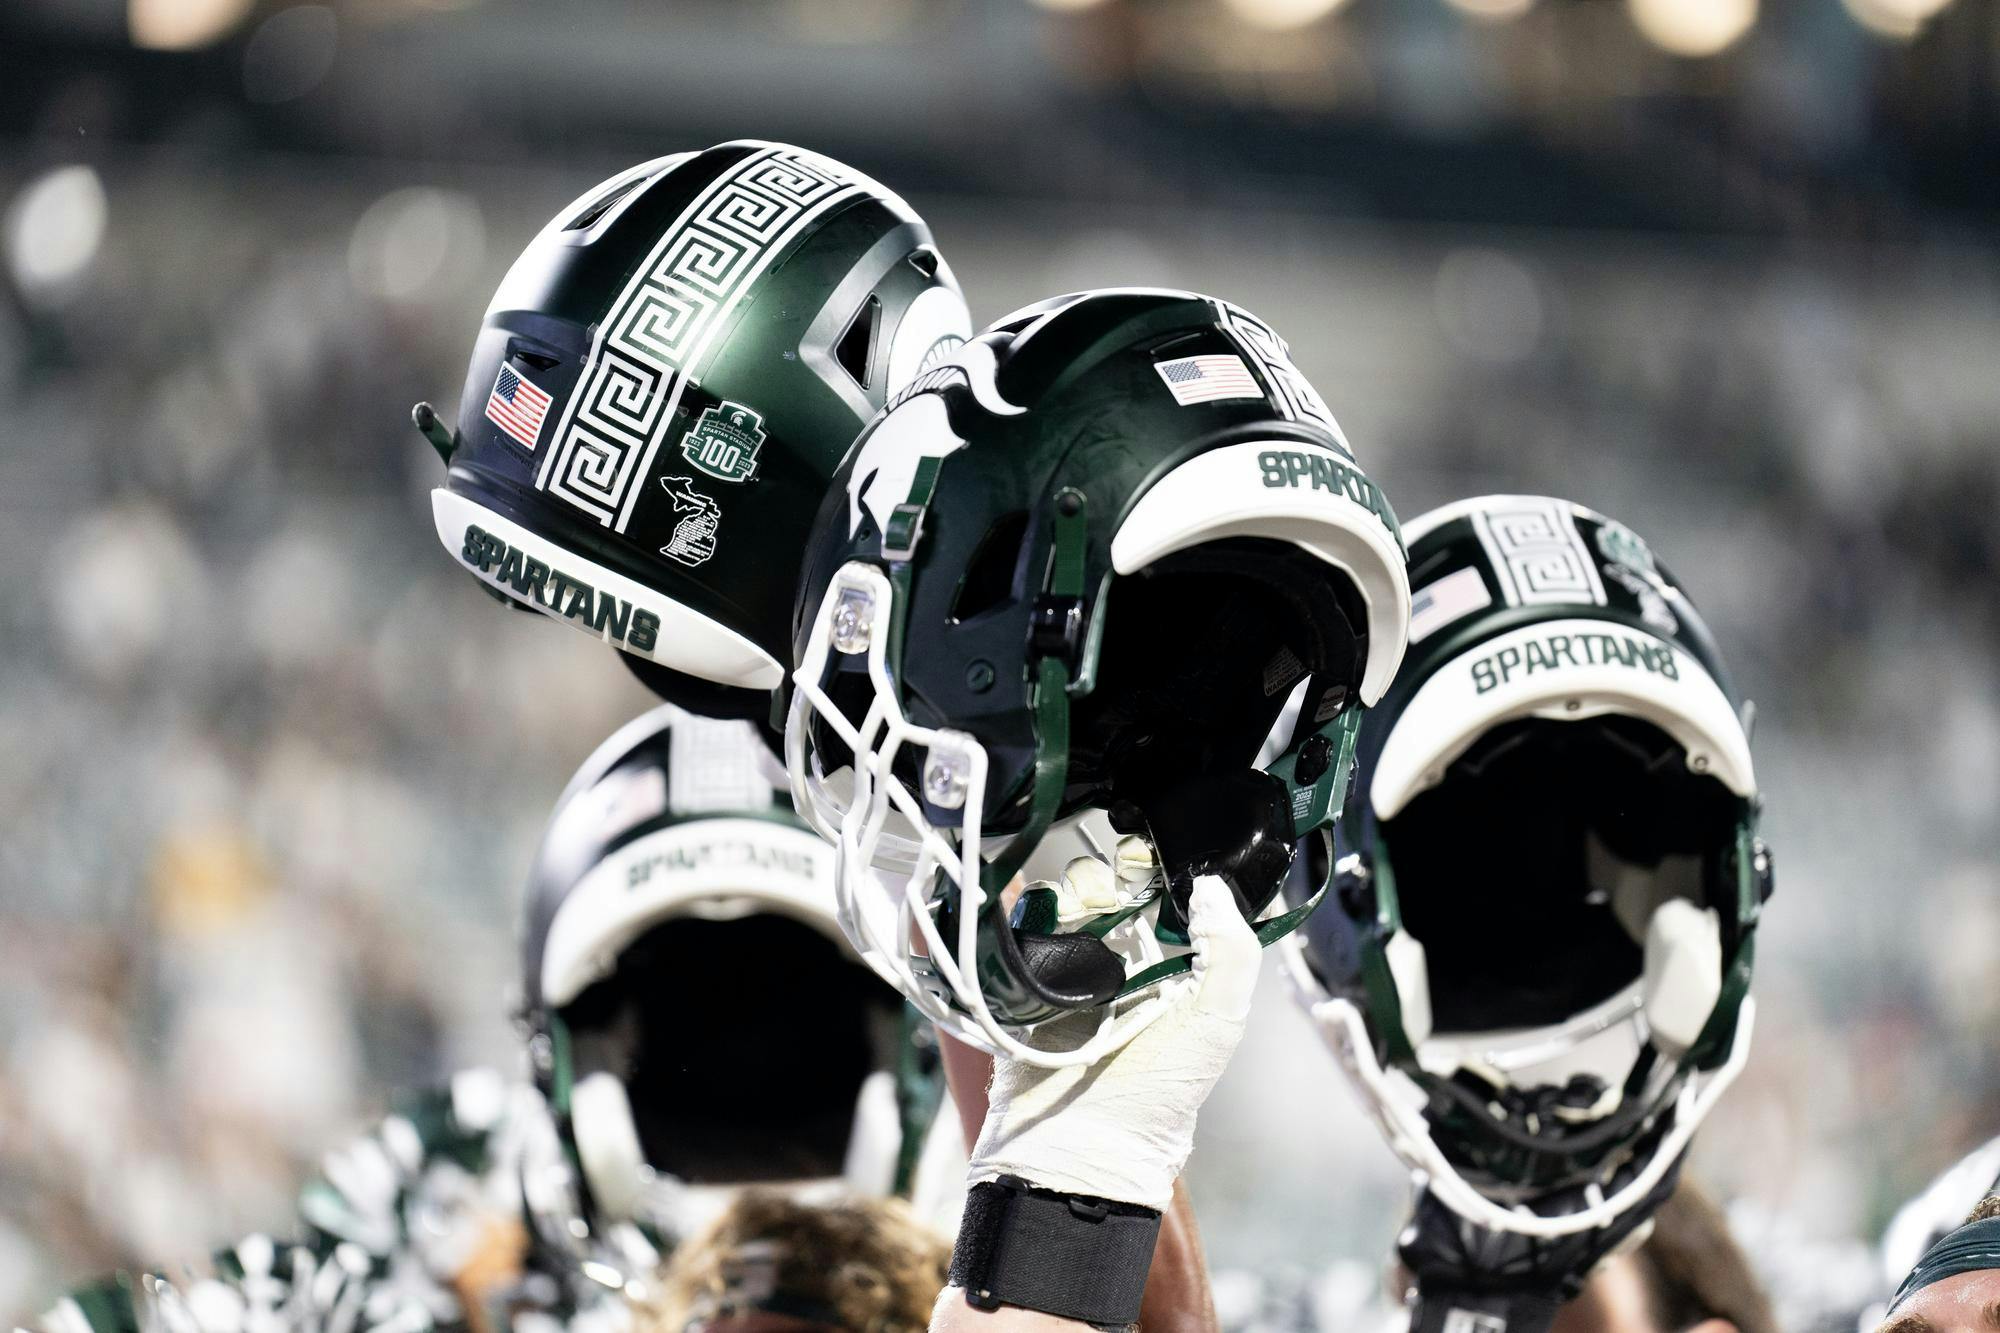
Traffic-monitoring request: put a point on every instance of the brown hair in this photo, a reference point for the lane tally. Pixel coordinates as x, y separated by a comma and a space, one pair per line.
862, 1264
1694, 1269
1986, 1208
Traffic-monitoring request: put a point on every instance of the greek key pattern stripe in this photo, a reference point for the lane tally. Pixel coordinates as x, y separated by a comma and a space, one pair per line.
659, 332
1291, 393
1537, 554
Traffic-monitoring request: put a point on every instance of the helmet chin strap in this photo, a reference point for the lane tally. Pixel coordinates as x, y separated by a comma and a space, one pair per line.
1437, 1311
1474, 1280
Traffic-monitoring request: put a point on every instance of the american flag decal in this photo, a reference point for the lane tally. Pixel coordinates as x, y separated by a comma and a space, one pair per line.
1205, 379
517, 406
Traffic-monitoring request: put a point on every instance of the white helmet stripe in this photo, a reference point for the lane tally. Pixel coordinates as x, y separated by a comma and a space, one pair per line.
718, 869
1567, 671
613, 606
1253, 490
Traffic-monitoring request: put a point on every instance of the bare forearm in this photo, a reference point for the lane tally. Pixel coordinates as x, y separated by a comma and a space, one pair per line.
1178, 1299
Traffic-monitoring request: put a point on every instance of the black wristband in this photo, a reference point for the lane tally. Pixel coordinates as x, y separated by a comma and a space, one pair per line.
1071, 1256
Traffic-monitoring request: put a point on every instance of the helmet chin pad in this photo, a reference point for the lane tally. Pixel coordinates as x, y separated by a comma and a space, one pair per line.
1552, 841
1073, 971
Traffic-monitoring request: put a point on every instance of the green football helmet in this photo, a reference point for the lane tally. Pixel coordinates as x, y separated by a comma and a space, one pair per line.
673, 880
1535, 965
663, 383
1056, 601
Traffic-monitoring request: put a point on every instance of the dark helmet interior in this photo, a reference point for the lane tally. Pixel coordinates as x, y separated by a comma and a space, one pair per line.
1492, 865
1200, 651
730, 1078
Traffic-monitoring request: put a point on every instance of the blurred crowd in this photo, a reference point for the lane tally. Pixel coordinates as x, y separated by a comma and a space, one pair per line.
272, 769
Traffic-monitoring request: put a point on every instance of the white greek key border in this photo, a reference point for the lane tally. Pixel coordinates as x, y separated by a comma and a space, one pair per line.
660, 331
1292, 394
1538, 554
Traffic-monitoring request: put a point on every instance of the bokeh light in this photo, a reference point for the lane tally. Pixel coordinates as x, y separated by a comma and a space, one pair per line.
1493, 11
1693, 28
53, 232
412, 245
1897, 19
1490, 305
290, 54
182, 25
1282, 15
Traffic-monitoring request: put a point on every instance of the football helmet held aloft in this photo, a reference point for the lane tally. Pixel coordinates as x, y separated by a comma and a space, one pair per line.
1536, 962
1055, 602
661, 387
674, 884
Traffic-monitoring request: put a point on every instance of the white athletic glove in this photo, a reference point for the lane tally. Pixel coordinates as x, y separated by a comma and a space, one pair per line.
1122, 1129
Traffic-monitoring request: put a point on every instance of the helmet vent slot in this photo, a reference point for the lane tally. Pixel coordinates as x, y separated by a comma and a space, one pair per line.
989, 576
856, 349
925, 262
601, 205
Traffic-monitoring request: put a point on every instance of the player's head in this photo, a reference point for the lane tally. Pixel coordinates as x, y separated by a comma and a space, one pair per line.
1689, 1276
1536, 961
1057, 598
775, 1264
662, 385
1955, 1287
695, 1016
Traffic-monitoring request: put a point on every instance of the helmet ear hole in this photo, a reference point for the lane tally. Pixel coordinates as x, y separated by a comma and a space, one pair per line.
855, 352
989, 576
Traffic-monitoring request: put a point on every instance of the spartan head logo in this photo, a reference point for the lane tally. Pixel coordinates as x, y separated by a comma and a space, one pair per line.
725, 441
918, 427
693, 540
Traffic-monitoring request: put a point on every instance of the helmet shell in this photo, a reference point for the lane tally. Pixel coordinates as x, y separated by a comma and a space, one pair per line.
1549, 878
1070, 395
673, 882
660, 388
1077, 571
